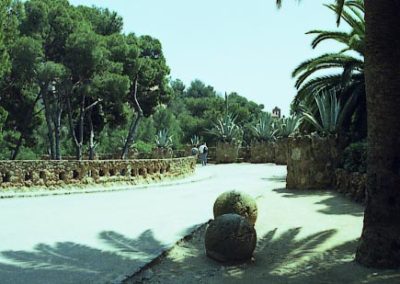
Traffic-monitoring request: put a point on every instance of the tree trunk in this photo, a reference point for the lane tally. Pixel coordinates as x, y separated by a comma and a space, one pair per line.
81, 128
15, 152
134, 124
91, 138
380, 241
131, 136
57, 134
27, 120
72, 129
50, 131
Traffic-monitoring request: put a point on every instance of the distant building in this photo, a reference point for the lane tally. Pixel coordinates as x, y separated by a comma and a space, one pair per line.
276, 112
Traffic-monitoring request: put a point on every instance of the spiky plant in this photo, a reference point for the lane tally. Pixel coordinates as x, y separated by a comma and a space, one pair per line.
264, 130
195, 140
163, 139
287, 126
226, 130
329, 117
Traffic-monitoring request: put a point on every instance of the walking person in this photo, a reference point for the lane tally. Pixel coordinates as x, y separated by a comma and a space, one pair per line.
203, 150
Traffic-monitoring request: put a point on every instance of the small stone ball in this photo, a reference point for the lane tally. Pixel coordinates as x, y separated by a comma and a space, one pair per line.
236, 202
230, 238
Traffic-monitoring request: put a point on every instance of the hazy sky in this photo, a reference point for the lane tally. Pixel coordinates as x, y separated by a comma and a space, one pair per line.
234, 45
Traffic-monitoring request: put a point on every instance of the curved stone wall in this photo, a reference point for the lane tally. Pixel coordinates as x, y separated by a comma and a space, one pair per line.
59, 173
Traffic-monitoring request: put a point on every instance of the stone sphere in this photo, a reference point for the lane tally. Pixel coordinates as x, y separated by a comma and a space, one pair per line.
236, 202
230, 238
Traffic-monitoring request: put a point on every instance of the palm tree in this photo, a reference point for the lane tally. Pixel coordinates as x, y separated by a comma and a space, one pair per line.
349, 84
380, 240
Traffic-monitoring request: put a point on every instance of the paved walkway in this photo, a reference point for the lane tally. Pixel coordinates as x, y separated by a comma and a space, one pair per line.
101, 237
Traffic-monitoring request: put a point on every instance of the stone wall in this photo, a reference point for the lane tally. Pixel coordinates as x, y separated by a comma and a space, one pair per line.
226, 153
59, 173
353, 185
312, 161
281, 150
262, 152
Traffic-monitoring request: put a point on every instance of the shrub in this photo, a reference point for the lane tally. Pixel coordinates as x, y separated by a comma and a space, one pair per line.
143, 147
355, 157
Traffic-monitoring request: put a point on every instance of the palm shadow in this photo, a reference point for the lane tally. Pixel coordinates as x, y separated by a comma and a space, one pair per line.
335, 203
278, 259
68, 262
281, 178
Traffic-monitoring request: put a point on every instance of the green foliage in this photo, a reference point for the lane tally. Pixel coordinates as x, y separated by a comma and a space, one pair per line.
164, 119
143, 147
226, 130
328, 119
110, 140
349, 84
68, 74
264, 130
355, 157
103, 21
198, 89
4, 63
147, 130
163, 139
287, 126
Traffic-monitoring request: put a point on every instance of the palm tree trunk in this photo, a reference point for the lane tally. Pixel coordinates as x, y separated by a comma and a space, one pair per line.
380, 240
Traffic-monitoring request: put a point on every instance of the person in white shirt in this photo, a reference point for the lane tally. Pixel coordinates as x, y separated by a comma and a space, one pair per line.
203, 150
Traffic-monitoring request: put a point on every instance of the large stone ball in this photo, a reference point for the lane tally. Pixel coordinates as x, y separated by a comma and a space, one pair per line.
230, 238
236, 202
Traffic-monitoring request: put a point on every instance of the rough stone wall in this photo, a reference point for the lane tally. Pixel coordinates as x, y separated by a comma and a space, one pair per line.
281, 150
59, 173
226, 153
162, 153
262, 152
312, 161
353, 185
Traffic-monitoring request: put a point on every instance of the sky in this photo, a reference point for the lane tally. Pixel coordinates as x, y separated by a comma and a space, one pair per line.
249, 47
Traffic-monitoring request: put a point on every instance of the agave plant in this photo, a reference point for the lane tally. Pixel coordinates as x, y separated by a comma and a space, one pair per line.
265, 128
287, 126
330, 114
163, 139
226, 130
195, 140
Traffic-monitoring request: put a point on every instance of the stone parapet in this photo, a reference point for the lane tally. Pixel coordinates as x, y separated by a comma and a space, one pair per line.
312, 161
262, 152
281, 151
351, 184
58, 173
226, 153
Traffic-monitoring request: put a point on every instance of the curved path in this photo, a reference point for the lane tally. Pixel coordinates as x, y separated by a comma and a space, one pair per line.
102, 237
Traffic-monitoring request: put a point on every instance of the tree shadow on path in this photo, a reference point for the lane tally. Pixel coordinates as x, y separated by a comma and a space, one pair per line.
68, 262
334, 203
283, 258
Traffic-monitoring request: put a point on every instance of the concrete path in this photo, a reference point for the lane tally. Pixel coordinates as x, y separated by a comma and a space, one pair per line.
101, 237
